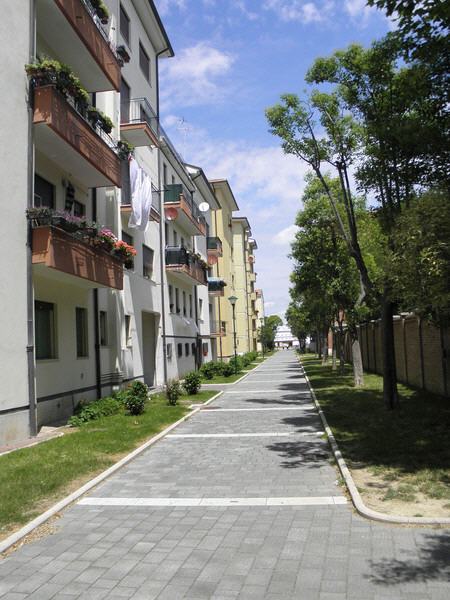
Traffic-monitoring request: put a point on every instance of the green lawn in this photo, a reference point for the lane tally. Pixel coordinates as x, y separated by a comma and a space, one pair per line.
407, 450
34, 478
221, 379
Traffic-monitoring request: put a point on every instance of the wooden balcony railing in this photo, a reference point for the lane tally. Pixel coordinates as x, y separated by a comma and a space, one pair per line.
56, 249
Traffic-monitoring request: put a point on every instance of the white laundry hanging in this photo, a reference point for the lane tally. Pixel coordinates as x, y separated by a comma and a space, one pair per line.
141, 197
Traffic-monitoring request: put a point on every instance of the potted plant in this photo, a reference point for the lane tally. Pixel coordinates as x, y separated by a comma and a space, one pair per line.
39, 215
124, 149
101, 10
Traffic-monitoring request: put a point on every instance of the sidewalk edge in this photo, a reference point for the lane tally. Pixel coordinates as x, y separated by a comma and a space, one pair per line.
53, 510
358, 503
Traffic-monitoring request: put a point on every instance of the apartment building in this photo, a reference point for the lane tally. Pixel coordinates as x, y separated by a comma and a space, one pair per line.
114, 242
233, 275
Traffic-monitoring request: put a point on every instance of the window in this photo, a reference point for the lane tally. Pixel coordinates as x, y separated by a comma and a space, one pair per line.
79, 209
103, 328
127, 238
164, 174
177, 301
180, 350
127, 330
44, 193
194, 348
184, 304
173, 179
170, 298
200, 308
182, 242
166, 233
186, 349
144, 62
124, 25
82, 332
147, 265
44, 327
190, 305
169, 351
175, 238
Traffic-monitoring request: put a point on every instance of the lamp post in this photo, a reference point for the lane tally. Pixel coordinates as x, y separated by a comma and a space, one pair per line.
233, 301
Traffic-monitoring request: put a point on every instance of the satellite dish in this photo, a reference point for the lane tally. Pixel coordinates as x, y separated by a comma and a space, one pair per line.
212, 260
171, 213
203, 207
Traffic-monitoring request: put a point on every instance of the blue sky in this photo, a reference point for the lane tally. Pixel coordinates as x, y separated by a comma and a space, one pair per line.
233, 58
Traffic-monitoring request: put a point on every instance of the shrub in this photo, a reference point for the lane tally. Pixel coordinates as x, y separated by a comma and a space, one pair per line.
246, 360
236, 364
227, 369
192, 382
91, 411
208, 370
135, 398
173, 391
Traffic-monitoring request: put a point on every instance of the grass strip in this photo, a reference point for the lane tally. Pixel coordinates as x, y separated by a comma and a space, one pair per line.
406, 451
34, 478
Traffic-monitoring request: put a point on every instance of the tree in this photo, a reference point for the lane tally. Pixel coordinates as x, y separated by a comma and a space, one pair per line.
274, 321
325, 278
419, 267
268, 330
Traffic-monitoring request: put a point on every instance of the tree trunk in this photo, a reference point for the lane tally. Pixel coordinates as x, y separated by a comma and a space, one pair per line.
325, 348
390, 393
358, 372
333, 360
341, 349
318, 345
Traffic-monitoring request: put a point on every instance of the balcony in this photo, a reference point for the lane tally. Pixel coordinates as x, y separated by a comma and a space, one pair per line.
216, 286
217, 329
252, 276
139, 123
214, 246
75, 34
155, 212
65, 137
185, 266
63, 257
180, 206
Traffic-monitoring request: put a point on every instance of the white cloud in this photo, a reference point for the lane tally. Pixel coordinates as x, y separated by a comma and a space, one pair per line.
195, 76
285, 236
242, 7
165, 6
299, 10
359, 11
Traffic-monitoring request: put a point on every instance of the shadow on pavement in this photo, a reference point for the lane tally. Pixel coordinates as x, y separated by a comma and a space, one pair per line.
433, 563
301, 454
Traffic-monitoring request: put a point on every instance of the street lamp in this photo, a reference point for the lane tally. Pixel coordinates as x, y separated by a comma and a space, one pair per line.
233, 300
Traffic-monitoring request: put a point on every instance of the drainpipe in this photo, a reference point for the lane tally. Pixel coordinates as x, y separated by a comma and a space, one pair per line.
161, 233
218, 299
98, 364
31, 375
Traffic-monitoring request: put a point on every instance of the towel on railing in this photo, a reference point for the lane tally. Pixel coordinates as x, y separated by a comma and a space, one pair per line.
141, 197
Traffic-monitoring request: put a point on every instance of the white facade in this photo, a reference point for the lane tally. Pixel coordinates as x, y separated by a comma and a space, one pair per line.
284, 337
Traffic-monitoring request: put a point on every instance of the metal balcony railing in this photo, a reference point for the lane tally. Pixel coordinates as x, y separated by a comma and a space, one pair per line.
214, 243
172, 193
215, 284
90, 9
179, 256
138, 110
217, 327
166, 141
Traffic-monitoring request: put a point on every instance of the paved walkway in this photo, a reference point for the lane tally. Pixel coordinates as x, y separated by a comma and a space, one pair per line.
241, 502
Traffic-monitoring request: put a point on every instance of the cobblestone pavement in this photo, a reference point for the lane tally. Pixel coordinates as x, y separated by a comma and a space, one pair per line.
239, 502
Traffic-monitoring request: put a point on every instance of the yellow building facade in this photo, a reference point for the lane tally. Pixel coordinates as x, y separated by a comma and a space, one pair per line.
232, 274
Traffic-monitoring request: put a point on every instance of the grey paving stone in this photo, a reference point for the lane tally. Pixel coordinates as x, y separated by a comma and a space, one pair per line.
219, 553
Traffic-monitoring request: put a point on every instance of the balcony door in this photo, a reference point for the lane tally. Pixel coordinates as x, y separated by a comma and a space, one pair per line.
125, 95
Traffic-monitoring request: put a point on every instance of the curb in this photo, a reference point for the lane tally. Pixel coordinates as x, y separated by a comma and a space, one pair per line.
29, 527
359, 505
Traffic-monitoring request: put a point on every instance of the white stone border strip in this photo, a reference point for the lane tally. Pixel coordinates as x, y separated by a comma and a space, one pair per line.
225, 502
29, 527
359, 505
